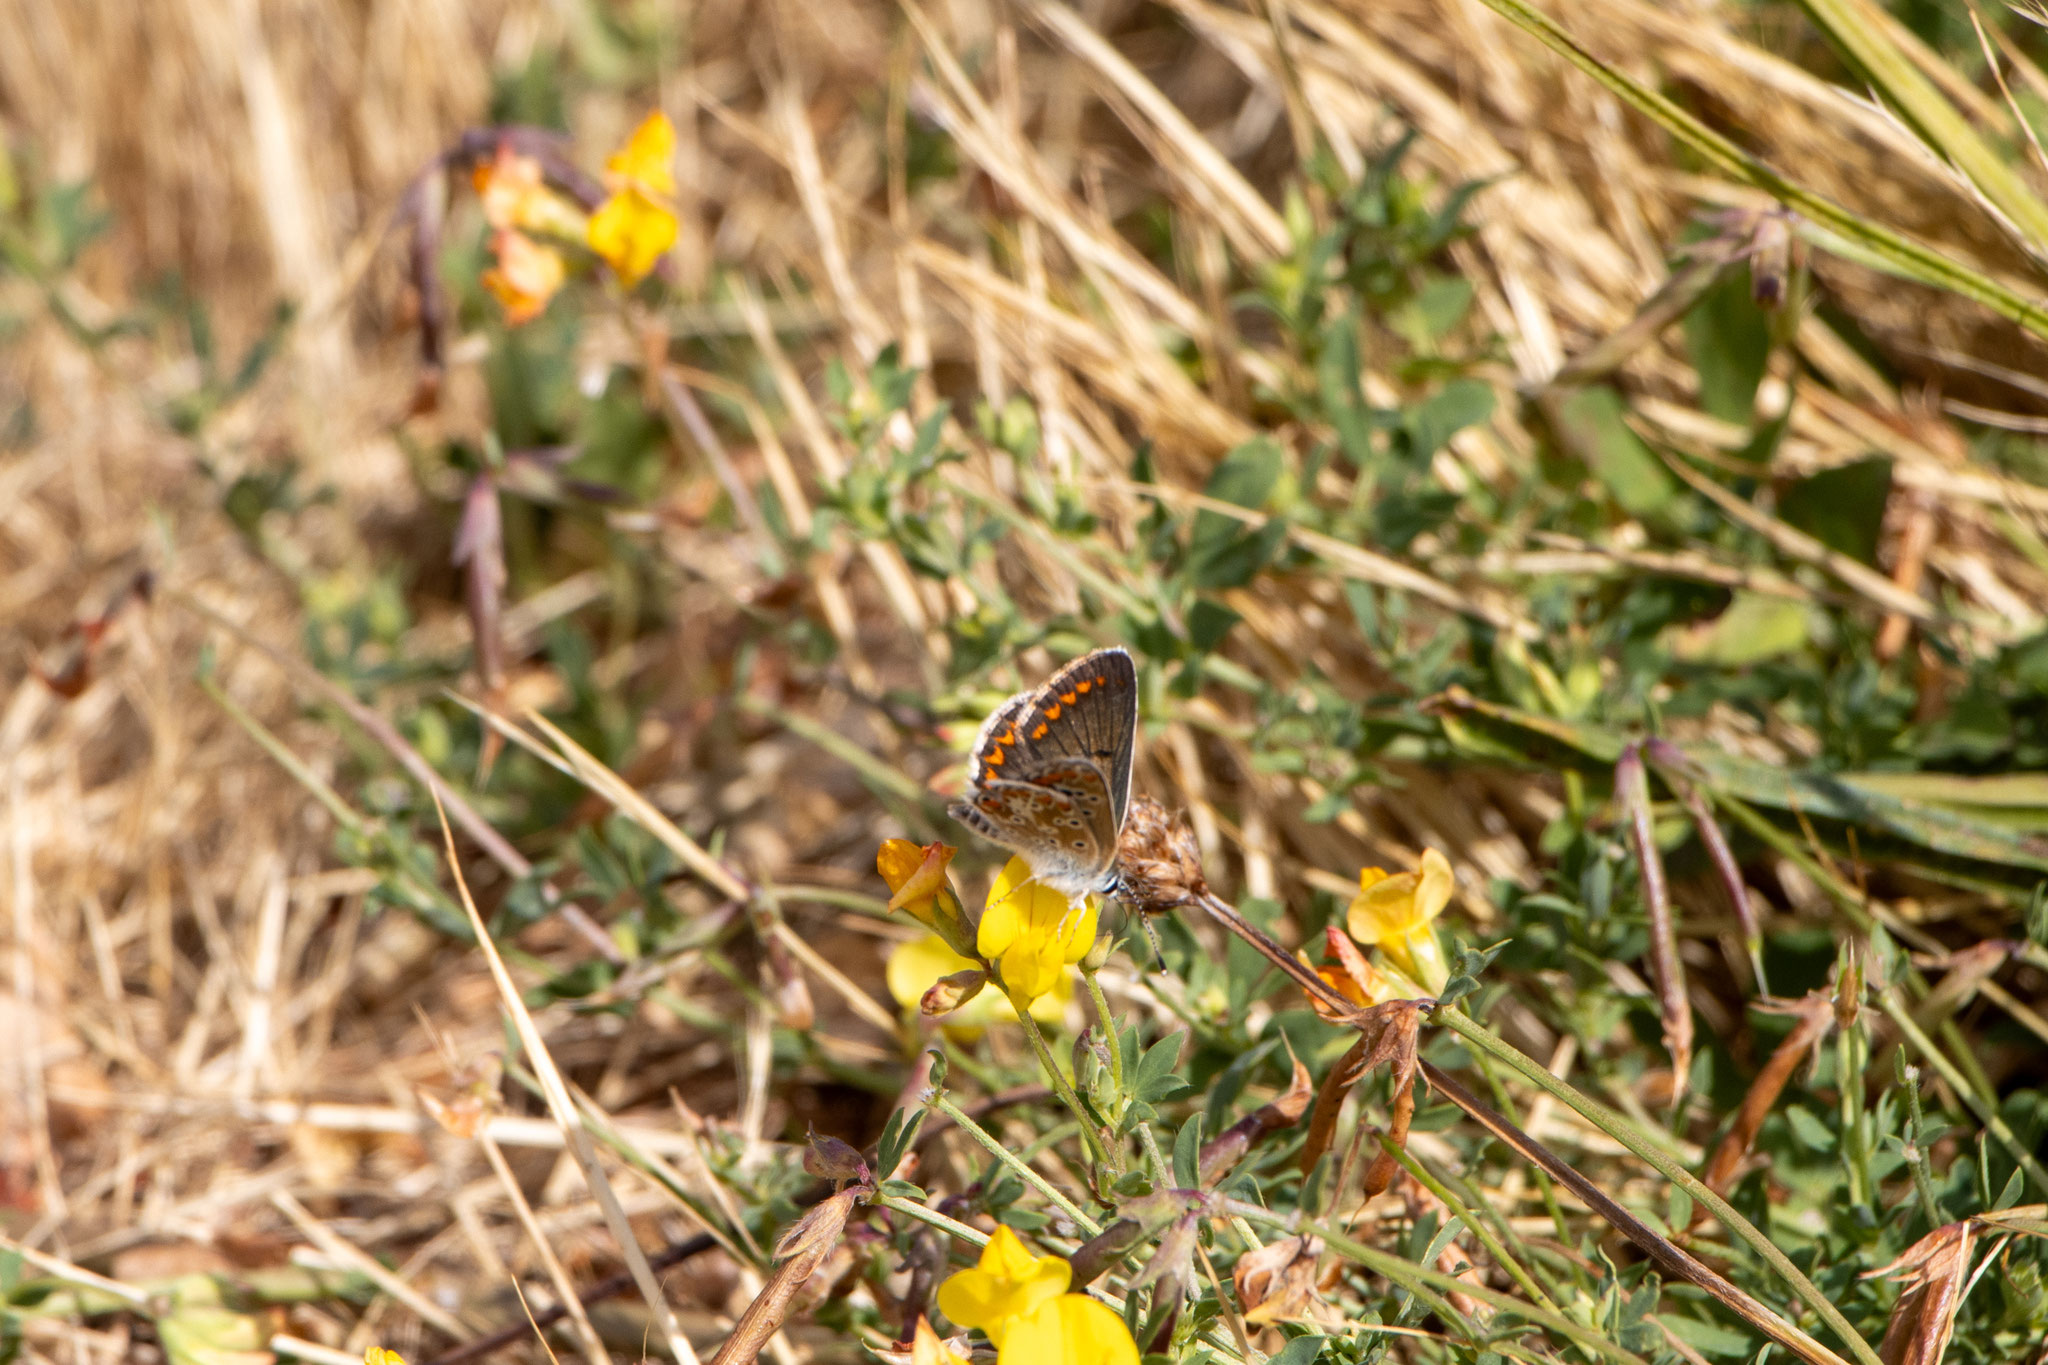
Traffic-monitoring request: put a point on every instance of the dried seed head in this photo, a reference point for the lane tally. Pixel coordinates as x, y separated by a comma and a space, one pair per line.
1159, 866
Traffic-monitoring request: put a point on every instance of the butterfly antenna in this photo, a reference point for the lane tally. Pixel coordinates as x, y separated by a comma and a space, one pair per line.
1152, 937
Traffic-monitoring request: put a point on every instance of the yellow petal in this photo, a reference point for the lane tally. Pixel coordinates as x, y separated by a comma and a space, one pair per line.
1391, 907
925, 880
1435, 881
896, 860
1008, 1284
1384, 909
377, 1355
630, 231
648, 158
1077, 930
913, 968
1008, 913
1071, 1330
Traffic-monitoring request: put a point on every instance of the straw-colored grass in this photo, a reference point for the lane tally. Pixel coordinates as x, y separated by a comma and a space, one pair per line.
211, 1046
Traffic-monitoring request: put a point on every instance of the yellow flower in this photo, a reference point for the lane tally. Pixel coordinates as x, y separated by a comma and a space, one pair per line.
1009, 1284
914, 966
917, 877
927, 1349
526, 276
1071, 1330
377, 1355
1020, 1301
515, 195
1032, 933
648, 158
1395, 912
636, 225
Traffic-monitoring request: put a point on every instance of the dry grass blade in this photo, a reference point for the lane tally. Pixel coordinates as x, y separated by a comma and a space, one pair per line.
564, 1110
802, 1250
1632, 791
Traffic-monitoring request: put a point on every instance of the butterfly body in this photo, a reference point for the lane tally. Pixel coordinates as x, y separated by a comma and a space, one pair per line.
1050, 777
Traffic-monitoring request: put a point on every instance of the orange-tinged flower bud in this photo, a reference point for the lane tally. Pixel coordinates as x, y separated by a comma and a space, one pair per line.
921, 889
526, 276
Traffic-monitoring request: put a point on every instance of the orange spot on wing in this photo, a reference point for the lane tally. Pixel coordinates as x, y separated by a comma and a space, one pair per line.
994, 758
1039, 733
1053, 712
1067, 697
1101, 680
1007, 737
1082, 687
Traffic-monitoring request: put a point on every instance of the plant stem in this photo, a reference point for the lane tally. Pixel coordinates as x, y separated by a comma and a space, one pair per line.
1116, 1051
1024, 1169
1065, 1088
1422, 1282
1670, 1258
911, 1209
1916, 1150
1985, 1110
1500, 1254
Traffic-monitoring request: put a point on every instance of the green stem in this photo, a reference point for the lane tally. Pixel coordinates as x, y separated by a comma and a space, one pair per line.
1985, 1110
1651, 1151
911, 1209
1025, 1172
1116, 1051
1422, 1282
1064, 1088
1916, 1149
1494, 1248
1850, 1055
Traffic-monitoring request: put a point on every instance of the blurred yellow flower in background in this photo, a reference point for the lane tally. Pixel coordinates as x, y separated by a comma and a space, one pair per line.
1032, 933
637, 223
1396, 913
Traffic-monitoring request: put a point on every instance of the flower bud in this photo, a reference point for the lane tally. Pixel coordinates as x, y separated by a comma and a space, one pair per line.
949, 993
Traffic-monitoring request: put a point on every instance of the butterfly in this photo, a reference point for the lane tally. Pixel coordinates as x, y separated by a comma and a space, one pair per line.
1050, 778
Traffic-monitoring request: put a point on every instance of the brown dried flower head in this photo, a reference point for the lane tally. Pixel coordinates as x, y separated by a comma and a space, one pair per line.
1159, 866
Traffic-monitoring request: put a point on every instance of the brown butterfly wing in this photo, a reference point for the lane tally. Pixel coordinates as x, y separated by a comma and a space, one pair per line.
1087, 710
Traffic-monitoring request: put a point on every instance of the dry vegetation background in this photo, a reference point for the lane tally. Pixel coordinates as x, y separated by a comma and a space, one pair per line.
187, 961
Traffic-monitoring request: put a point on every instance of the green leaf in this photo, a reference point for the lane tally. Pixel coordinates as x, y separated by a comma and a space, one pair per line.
1155, 1080
1344, 401
1710, 1338
1810, 1131
1300, 1351
1459, 404
897, 1135
1729, 338
1843, 507
1187, 1153
1224, 552
1756, 626
1590, 424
